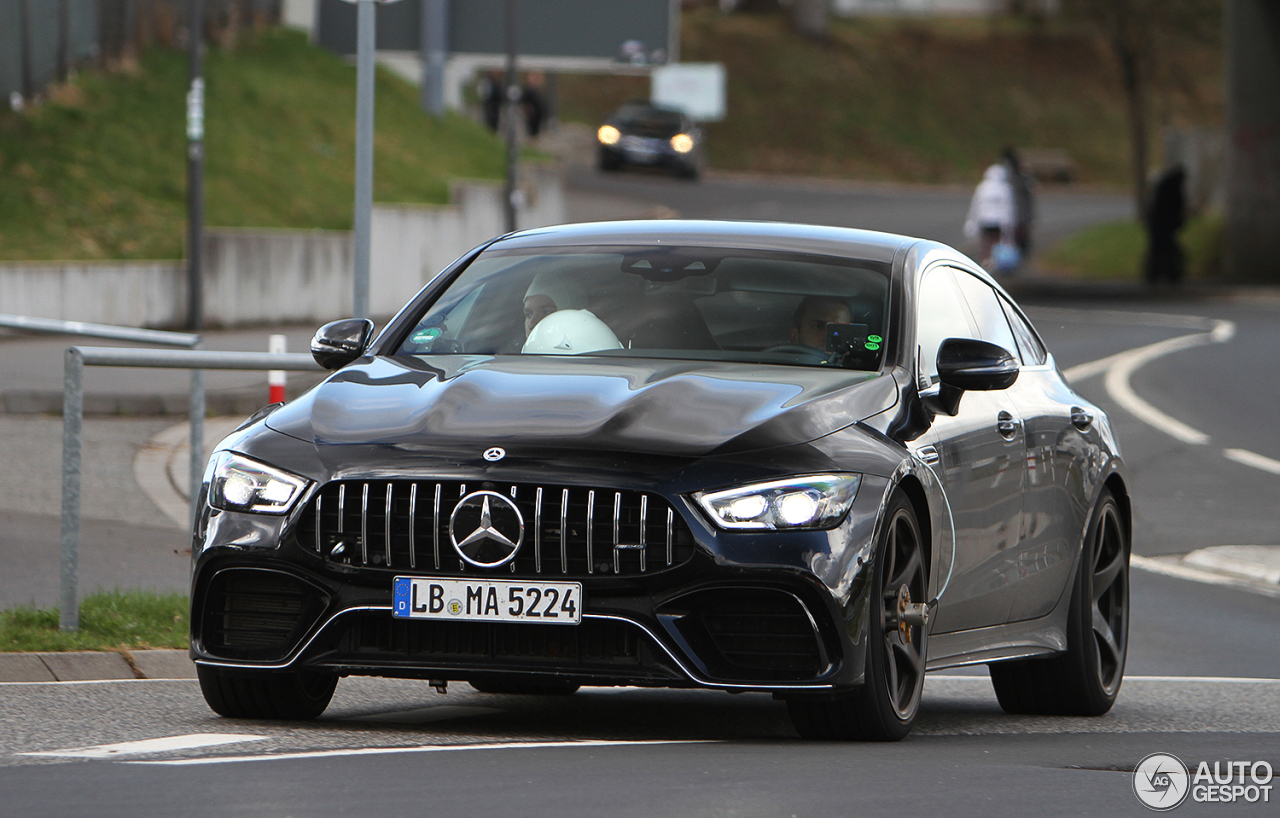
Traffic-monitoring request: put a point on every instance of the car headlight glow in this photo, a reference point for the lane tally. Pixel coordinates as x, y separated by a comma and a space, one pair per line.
237, 483
608, 135
813, 501
682, 142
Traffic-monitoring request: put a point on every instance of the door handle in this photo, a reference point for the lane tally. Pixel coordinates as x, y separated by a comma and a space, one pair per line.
1081, 418
1007, 425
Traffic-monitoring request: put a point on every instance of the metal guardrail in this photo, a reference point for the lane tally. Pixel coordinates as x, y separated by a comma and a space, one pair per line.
77, 358
55, 326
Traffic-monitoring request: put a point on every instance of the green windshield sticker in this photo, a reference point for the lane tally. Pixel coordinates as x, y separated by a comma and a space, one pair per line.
875, 339
871, 346
424, 336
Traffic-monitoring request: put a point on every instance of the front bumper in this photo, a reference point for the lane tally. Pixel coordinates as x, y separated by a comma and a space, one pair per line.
745, 611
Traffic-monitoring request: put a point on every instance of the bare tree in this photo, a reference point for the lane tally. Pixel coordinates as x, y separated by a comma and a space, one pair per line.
1141, 35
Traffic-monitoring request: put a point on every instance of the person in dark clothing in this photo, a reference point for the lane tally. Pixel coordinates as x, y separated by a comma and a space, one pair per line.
1023, 201
535, 107
1165, 218
491, 99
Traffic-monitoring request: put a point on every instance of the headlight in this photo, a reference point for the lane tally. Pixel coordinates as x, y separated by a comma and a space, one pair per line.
608, 135
239, 484
682, 142
816, 501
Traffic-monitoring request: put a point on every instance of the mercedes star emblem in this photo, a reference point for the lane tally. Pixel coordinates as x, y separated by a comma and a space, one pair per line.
495, 454
495, 526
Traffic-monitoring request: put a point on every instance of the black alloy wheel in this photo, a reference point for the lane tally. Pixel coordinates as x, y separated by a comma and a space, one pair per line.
885, 706
1085, 679
261, 694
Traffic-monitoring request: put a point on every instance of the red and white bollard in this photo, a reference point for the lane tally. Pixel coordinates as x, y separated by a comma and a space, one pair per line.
276, 377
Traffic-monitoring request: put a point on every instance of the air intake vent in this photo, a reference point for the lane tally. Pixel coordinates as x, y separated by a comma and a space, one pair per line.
751, 634
257, 614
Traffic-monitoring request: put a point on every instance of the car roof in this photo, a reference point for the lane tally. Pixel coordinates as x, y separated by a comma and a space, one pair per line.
777, 236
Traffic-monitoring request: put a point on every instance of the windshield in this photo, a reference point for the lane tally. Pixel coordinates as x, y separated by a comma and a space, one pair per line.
690, 303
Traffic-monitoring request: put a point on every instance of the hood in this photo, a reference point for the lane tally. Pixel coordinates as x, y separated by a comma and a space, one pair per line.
691, 408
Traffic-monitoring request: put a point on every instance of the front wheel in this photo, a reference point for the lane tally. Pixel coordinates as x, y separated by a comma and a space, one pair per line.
240, 694
1084, 680
885, 706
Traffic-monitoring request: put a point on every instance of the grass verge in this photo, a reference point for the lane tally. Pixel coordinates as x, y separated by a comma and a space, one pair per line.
1115, 250
99, 170
108, 620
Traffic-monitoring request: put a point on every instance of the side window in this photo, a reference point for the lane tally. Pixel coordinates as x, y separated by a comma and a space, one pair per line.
1033, 352
941, 315
985, 305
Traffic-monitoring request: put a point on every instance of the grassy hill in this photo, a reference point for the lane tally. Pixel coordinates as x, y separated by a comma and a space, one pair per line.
99, 170
914, 100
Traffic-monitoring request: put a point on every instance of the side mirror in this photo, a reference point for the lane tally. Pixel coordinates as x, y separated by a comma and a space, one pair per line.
338, 343
967, 364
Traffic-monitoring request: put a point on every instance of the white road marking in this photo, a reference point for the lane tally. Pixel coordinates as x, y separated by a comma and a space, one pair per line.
1233, 680
1248, 458
151, 745
1119, 368
98, 682
426, 748
1122, 369
1181, 571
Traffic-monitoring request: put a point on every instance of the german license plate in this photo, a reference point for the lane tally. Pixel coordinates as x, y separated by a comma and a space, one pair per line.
478, 600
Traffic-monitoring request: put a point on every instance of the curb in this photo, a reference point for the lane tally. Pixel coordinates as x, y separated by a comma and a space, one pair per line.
94, 665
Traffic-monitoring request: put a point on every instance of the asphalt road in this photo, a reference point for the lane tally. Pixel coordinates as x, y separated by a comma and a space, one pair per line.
1203, 676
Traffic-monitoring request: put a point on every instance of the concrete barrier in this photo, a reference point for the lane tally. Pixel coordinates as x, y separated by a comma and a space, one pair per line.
263, 276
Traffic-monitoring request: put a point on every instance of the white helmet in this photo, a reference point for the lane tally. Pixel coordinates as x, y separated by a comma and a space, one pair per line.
570, 332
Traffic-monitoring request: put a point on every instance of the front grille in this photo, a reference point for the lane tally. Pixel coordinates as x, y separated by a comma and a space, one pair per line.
593, 643
256, 614
403, 525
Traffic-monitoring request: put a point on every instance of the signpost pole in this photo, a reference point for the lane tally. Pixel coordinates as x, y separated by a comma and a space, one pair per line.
512, 99
435, 48
366, 24
195, 171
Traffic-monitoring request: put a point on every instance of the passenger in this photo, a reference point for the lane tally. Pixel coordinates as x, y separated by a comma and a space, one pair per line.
809, 326
550, 293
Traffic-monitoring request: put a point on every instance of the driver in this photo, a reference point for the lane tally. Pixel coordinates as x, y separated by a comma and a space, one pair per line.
809, 326
550, 293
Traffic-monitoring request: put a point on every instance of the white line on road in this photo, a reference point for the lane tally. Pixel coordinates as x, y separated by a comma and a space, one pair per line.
1248, 458
1122, 369
1181, 571
151, 745
1226, 680
426, 748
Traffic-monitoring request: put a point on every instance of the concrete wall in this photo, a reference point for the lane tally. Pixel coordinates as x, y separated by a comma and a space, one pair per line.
1253, 140
275, 276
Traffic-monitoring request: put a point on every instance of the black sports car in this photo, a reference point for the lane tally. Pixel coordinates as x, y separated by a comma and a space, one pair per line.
806, 460
639, 133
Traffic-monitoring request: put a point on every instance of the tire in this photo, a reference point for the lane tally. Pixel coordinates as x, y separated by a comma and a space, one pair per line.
885, 706
525, 687
288, 695
1085, 679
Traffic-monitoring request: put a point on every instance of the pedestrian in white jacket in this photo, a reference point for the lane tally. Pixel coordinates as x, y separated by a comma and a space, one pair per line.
992, 213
